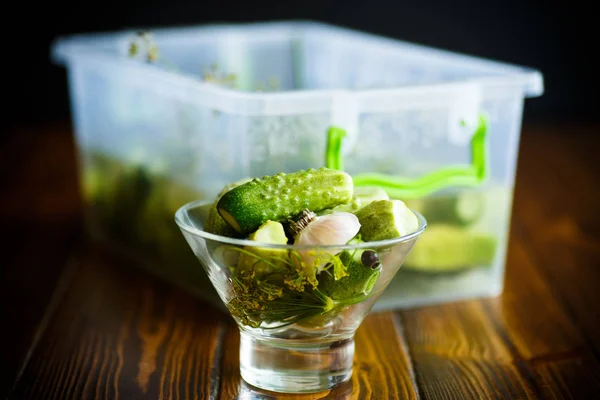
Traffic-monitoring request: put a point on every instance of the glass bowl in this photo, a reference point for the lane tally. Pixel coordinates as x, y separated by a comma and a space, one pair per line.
296, 326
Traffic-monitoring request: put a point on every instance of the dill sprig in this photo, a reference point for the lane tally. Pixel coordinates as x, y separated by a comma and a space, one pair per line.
286, 294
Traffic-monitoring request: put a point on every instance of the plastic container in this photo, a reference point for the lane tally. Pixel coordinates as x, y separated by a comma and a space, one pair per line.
153, 135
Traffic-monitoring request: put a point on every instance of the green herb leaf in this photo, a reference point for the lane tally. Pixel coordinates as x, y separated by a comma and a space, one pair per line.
339, 269
285, 295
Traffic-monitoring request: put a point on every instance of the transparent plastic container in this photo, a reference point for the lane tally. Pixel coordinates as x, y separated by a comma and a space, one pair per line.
225, 102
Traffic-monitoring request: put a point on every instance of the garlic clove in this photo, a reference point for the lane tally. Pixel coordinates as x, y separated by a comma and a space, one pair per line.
337, 228
328, 230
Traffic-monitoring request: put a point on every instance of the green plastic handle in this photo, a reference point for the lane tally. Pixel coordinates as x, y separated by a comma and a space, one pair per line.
400, 187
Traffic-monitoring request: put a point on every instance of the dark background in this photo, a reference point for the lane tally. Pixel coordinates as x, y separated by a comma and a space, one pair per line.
556, 37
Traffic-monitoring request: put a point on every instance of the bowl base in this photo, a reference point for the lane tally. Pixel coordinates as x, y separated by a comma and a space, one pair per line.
295, 367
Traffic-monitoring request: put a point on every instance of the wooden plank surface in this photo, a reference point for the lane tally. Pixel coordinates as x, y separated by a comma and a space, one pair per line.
119, 333
556, 202
501, 347
459, 353
116, 332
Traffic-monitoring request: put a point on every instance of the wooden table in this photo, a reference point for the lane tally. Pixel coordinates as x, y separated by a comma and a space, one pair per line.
80, 323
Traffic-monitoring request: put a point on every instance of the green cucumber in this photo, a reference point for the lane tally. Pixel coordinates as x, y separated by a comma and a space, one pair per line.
359, 281
270, 232
461, 209
230, 186
283, 196
367, 194
450, 248
131, 194
214, 223
217, 225
99, 184
386, 219
262, 260
363, 195
155, 225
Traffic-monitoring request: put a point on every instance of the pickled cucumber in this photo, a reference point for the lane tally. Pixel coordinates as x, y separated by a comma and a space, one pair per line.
217, 225
386, 219
130, 197
359, 281
156, 229
230, 186
461, 209
265, 260
282, 196
449, 248
363, 195
99, 183
214, 223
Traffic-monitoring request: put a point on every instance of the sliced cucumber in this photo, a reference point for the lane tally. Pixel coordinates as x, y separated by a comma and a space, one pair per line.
450, 248
386, 219
461, 209
363, 195
262, 260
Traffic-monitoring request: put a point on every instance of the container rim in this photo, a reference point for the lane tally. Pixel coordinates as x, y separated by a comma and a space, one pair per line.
182, 220
66, 50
